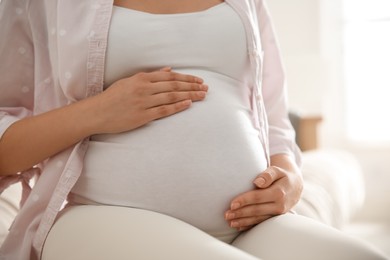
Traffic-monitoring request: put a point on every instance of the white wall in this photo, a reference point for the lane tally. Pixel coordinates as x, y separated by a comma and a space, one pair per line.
298, 30
310, 37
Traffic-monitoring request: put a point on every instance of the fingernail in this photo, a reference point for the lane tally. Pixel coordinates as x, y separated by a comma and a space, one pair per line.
199, 80
204, 87
186, 102
166, 68
201, 94
229, 215
235, 205
259, 181
234, 224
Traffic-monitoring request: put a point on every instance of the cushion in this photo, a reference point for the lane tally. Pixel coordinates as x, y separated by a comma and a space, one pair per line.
333, 186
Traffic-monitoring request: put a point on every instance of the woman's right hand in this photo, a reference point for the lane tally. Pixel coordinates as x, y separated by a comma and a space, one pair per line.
135, 101
127, 104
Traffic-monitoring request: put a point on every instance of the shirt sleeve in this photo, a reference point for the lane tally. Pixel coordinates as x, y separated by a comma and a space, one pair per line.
16, 72
17, 64
281, 132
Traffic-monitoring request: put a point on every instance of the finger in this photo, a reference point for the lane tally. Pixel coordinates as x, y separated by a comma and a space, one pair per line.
171, 86
251, 197
244, 228
269, 209
252, 210
158, 112
158, 76
267, 177
174, 97
165, 69
246, 223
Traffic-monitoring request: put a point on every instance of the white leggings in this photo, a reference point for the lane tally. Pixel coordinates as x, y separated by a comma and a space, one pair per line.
108, 232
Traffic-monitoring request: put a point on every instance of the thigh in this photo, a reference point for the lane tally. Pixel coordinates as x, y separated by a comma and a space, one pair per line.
107, 232
292, 236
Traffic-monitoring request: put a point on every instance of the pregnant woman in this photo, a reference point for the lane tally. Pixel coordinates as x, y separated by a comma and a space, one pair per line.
155, 130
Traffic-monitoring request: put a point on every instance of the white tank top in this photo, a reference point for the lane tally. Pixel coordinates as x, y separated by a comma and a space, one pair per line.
192, 164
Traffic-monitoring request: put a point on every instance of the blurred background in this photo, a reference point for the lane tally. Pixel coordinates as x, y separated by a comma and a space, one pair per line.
337, 59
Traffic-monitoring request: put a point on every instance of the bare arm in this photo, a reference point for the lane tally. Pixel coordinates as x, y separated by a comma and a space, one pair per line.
31, 140
129, 103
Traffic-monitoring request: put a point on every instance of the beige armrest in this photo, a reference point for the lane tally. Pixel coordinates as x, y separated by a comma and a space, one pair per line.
306, 128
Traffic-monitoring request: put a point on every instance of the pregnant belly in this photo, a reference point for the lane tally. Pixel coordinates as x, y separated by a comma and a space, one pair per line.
189, 165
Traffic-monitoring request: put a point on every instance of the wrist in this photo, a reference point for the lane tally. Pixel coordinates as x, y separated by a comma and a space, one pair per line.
85, 119
285, 162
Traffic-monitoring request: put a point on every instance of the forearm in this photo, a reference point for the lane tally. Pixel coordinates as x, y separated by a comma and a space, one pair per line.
127, 104
32, 140
285, 162
294, 180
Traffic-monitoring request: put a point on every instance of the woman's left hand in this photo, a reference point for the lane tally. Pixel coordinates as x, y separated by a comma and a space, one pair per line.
277, 190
